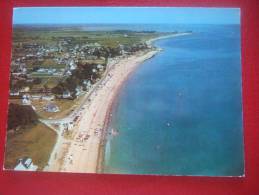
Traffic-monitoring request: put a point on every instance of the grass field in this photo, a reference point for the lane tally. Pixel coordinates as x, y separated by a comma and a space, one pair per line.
35, 142
65, 106
105, 38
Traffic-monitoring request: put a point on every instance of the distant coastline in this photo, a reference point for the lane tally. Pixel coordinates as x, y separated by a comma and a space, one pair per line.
96, 90
149, 42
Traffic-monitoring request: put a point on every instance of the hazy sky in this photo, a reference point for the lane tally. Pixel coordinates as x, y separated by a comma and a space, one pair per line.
169, 15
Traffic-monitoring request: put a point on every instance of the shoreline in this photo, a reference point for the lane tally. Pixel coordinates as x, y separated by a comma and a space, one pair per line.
102, 148
150, 41
101, 155
87, 154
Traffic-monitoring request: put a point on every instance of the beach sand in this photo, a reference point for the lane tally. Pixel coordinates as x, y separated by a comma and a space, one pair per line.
150, 41
84, 152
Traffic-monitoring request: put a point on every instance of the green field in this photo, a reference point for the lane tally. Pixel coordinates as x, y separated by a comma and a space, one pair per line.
105, 38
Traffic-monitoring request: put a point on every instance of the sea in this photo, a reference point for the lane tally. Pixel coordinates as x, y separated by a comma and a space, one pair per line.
180, 112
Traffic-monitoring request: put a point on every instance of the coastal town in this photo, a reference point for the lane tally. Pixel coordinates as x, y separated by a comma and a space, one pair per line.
46, 71
124, 90
62, 84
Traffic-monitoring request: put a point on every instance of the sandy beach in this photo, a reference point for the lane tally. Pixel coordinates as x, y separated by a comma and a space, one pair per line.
81, 153
150, 41
94, 90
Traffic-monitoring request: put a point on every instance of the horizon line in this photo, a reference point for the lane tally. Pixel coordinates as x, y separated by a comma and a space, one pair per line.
126, 23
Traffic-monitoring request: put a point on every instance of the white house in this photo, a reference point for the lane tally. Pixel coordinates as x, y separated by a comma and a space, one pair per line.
66, 94
68, 73
42, 70
14, 93
51, 70
24, 70
25, 164
70, 126
26, 100
72, 65
66, 126
79, 90
100, 67
36, 97
48, 97
51, 108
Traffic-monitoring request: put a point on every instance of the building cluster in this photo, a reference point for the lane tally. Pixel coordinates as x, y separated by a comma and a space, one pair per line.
34, 61
25, 164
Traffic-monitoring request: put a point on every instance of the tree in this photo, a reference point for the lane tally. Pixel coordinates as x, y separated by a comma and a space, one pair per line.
37, 81
97, 53
20, 115
58, 90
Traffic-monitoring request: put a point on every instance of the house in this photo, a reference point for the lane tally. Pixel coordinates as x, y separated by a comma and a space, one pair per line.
87, 84
48, 97
23, 70
41, 70
70, 126
30, 80
14, 93
72, 65
50, 107
57, 74
25, 164
36, 97
51, 70
79, 90
66, 126
66, 94
100, 67
97, 44
68, 73
91, 57
25, 89
26, 100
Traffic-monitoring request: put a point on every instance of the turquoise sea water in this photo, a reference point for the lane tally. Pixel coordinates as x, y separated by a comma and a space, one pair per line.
180, 113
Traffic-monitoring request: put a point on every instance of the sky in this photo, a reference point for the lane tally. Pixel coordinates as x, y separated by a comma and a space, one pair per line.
125, 15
